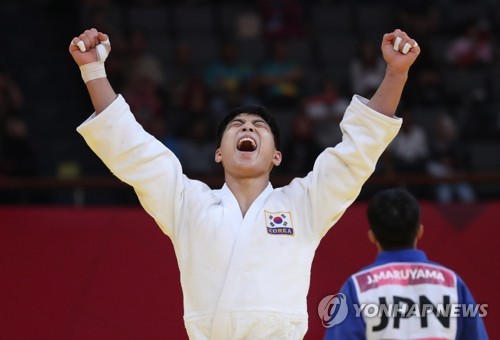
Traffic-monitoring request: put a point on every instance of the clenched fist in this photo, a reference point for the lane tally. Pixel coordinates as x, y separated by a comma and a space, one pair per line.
399, 51
89, 47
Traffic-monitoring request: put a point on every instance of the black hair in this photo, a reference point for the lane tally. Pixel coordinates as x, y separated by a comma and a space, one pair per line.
254, 110
394, 218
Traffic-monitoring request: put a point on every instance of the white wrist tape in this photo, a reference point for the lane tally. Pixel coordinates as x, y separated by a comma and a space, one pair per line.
93, 71
96, 69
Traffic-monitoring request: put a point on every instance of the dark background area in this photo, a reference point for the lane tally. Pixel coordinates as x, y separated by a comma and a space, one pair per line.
44, 161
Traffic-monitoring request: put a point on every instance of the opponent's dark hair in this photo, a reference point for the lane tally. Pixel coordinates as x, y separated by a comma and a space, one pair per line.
394, 218
250, 109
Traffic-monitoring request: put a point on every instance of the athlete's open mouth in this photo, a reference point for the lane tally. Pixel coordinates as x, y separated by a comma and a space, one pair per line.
247, 144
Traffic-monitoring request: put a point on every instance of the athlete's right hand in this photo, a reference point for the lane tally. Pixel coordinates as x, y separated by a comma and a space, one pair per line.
90, 38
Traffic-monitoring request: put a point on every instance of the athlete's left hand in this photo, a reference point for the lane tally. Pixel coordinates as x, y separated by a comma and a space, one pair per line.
397, 60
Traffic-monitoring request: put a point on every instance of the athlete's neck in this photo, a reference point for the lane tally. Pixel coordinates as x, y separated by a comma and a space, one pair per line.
246, 190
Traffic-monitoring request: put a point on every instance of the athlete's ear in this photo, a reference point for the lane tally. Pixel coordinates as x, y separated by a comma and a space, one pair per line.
277, 158
371, 237
420, 232
218, 156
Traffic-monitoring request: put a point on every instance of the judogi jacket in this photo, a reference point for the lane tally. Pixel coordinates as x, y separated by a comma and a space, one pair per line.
243, 277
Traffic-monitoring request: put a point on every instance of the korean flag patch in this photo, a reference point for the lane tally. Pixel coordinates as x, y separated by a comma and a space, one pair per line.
279, 223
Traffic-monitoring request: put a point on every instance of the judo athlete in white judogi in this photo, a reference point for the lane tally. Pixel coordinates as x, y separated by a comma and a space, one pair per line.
245, 250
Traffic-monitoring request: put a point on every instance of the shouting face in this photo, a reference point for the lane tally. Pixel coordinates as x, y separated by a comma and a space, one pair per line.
247, 147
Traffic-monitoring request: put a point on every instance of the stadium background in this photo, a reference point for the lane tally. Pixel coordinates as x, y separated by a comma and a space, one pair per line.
102, 269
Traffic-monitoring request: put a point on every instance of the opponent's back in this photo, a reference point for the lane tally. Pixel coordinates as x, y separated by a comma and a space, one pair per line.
403, 300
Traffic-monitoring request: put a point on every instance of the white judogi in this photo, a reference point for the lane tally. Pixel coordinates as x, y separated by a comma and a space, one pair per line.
242, 277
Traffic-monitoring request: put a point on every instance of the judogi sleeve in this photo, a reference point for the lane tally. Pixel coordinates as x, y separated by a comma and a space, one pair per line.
353, 327
339, 172
468, 327
138, 159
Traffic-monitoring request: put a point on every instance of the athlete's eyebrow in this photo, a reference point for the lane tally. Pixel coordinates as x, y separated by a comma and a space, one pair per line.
258, 120
242, 120
237, 119
253, 120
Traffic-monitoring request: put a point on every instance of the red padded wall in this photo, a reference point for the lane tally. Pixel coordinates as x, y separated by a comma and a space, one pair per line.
110, 273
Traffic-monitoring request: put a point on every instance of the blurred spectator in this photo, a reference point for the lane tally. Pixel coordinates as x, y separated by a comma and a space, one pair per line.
408, 154
248, 26
142, 79
420, 17
103, 16
197, 149
448, 158
280, 78
146, 99
282, 19
180, 74
193, 104
409, 150
196, 99
367, 69
228, 80
17, 153
474, 47
11, 99
326, 110
145, 86
478, 115
159, 128
301, 150
18, 158
426, 86
140, 63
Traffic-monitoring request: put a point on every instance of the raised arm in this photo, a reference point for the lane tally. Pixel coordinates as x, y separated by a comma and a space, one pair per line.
367, 129
113, 133
84, 50
386, 98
